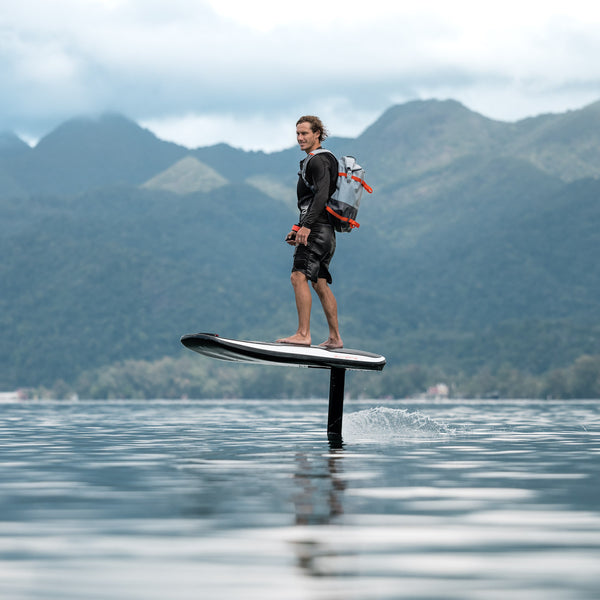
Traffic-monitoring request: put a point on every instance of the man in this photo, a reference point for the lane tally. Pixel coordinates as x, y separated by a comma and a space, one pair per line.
313, 236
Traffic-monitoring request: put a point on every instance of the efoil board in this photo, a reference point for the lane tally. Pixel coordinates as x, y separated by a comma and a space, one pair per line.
277, 353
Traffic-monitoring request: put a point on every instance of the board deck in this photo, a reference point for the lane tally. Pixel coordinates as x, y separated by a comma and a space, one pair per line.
277, 353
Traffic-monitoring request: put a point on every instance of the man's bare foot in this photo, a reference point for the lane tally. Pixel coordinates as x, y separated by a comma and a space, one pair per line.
332, 343
297, 339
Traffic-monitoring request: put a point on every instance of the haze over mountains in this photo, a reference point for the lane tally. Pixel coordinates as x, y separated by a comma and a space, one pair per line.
478, 248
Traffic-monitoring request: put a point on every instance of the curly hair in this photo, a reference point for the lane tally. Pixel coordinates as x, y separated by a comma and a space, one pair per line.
315, 124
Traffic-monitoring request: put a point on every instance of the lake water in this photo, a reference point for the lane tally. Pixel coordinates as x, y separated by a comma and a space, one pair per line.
240, 499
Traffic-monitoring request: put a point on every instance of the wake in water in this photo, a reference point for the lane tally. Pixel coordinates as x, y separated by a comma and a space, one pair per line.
382, 424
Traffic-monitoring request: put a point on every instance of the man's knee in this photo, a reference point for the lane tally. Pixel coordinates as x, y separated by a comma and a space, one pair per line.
298, 278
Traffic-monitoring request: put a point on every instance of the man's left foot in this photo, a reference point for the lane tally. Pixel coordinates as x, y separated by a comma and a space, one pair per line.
296, 340
332, 344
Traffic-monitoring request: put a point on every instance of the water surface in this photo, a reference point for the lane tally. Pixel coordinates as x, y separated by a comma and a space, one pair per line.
246, 499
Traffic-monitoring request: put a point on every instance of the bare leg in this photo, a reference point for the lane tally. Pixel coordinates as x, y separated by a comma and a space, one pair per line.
329, 304
303, 306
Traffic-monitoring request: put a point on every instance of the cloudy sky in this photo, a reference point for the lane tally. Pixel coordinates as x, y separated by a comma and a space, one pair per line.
203, 71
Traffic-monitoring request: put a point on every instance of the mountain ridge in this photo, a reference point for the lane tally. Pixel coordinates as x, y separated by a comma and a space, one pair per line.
408, 140
474, 258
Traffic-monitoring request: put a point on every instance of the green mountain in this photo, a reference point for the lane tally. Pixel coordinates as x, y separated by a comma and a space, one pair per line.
12, 145
477, 249
85, 154
122, 273
419, 137
565, 145
11, 148
187, 176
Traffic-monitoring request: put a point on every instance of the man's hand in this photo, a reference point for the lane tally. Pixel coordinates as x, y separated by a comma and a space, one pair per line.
290, 238
302, 236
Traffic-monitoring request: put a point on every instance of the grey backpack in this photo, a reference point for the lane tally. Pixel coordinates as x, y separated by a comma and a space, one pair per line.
344, 202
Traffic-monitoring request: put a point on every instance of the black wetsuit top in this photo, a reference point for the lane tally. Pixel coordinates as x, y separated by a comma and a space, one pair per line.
321, 173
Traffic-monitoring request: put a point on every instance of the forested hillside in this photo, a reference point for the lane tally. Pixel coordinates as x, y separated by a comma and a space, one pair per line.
476, 257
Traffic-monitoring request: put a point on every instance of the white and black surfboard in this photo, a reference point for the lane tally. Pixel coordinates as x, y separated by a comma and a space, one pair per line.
277, 353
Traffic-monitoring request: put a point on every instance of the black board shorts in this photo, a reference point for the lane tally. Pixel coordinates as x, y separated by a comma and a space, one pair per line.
313, 260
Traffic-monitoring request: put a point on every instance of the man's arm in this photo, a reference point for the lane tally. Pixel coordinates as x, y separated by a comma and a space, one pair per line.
318, 172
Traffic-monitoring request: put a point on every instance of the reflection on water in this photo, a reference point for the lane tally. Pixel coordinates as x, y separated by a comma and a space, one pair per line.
317, 501
320, 484
246, 499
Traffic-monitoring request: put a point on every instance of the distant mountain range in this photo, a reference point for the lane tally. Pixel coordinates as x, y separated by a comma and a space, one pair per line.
478, 248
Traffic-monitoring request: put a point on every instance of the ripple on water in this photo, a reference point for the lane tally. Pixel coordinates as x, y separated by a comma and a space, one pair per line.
383, 425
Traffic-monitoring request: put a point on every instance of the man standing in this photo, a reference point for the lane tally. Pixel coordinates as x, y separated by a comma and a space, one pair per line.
313, 236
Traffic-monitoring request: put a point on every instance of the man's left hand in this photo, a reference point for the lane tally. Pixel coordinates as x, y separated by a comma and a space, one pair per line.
302, 236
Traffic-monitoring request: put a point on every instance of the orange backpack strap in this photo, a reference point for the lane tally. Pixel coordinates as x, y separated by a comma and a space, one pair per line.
361, 181
351, 222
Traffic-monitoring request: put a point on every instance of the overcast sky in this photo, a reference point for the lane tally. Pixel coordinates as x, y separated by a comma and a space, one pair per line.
204, 71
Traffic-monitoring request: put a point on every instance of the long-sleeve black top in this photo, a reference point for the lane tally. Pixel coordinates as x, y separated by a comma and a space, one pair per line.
321, 173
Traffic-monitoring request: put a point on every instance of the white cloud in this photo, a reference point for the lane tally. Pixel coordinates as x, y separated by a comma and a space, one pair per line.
204, 70
257, 132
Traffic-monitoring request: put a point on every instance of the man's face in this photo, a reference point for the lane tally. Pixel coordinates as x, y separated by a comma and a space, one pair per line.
308, 140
